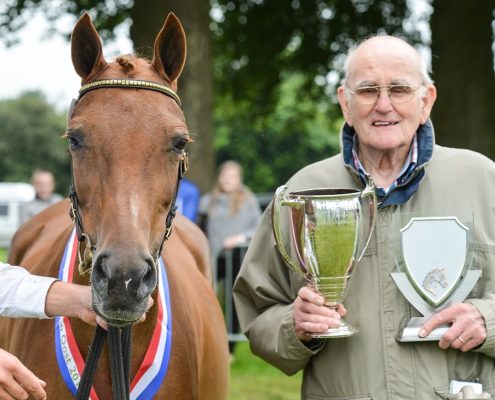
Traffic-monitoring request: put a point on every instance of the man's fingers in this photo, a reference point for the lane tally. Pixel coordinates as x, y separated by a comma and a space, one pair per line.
468, 328
31, 383
13, 390
341, 310
449, 315
101, 322
16, 380
4, 395
311, 296
148, 306
150, 303
312, 316
464, 338
435, 321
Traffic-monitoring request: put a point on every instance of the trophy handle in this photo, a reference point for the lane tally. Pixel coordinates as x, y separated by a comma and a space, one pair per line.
369, 209
279, 201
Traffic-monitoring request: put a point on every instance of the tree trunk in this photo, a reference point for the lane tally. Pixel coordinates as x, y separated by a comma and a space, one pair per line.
462, 39
196, 82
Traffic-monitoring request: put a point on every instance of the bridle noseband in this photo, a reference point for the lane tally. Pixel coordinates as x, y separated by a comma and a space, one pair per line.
119, 337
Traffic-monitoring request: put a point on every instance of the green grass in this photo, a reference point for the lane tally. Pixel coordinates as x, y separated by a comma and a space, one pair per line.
3, 254
252, 378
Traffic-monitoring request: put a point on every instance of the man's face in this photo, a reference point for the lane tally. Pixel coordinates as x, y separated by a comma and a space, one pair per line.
386, 125
43, 185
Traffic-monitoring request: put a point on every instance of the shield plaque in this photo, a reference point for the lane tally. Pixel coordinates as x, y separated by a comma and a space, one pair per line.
435, 256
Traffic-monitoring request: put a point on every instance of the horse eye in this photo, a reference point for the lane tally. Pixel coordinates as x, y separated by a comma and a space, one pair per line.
73, 142
180, 146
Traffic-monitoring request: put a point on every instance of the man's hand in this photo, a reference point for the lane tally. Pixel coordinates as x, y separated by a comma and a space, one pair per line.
311, 315
18, 382
71, 300
468, 328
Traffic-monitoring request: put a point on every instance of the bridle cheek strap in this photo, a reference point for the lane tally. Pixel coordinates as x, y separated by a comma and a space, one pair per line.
169, 222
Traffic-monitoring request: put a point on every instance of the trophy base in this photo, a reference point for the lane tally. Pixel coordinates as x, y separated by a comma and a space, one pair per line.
344, 330
411, 332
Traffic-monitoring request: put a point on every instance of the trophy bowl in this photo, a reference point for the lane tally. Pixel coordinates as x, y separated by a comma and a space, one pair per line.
329, 230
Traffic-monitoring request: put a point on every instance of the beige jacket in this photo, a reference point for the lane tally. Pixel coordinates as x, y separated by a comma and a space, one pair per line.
372, 364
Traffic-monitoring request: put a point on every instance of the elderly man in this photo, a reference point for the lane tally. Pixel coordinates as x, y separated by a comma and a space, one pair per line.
386, 98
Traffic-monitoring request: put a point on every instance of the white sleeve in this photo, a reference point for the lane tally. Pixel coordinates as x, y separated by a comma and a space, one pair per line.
22, 295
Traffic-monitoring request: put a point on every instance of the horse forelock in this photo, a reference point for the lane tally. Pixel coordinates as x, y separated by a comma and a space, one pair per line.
127, 62
127, 66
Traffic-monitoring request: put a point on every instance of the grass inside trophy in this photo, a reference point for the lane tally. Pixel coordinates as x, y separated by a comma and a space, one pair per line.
328, 232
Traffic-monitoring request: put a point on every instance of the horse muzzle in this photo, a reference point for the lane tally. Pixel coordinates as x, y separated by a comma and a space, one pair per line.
121, 286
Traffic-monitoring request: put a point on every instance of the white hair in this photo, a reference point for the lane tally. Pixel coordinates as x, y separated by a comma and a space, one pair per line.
423, 65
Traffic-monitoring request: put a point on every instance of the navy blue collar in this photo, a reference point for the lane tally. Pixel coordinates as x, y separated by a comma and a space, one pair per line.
403, 192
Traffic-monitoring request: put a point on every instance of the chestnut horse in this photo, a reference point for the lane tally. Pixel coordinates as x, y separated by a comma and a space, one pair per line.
127, 137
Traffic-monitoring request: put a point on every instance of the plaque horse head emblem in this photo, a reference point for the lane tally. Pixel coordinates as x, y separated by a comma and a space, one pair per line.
434, 278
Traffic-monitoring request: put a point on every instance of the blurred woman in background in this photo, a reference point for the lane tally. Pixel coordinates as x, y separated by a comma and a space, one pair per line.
229, 215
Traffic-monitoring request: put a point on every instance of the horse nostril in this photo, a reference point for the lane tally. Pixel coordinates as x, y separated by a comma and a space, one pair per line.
144, 281
99, 271
149, 278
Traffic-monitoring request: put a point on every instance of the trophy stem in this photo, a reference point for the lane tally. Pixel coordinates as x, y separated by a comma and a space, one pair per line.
344, 330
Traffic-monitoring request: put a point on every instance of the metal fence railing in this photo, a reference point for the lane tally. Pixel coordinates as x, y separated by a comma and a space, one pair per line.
225, 271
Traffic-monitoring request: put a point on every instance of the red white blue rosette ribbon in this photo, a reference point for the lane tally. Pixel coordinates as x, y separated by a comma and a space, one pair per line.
152, 370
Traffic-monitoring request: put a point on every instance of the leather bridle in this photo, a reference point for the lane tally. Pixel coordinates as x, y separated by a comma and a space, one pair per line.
119, 338
85, 261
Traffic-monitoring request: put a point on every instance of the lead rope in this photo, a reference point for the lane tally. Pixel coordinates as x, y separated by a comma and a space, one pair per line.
119, 345
84, 387
120, 360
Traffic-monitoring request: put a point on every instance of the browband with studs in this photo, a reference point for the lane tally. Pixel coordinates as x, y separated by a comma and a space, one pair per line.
129, 83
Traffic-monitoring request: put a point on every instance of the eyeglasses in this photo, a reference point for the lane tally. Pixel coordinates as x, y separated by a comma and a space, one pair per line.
368, 95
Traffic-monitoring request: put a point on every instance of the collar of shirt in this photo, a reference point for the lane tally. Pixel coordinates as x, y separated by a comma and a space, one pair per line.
409, 179
407, 169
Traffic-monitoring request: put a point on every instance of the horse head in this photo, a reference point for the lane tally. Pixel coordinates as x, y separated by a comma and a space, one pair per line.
127, 143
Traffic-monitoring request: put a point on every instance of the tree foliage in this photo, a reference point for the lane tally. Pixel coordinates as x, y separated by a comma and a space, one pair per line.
272, 147
30, 138
106, 14
462, 59
259, 42
275, 75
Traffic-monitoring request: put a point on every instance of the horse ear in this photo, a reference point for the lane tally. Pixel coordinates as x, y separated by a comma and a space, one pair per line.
86, 48
169, 53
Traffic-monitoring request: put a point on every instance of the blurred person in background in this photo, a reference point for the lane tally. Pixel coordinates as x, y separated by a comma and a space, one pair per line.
229, 215
44, 185
188, 199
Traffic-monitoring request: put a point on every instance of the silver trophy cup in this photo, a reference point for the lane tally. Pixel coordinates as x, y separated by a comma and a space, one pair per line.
329, 232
